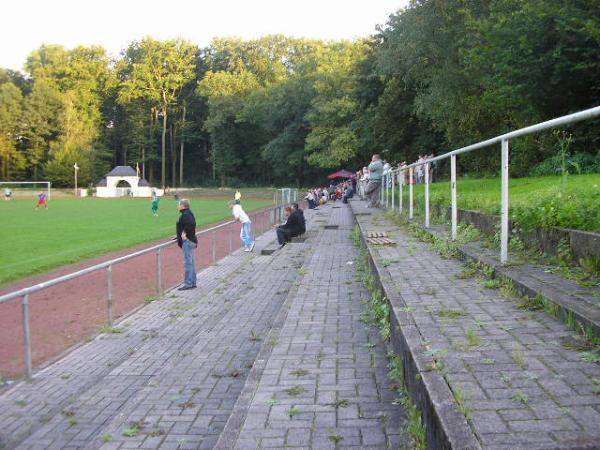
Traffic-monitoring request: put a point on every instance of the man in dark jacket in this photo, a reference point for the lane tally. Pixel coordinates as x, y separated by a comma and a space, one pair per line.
186, 239
294, 226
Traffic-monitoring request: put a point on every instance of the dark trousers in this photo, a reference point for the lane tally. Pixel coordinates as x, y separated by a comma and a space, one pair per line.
283, 235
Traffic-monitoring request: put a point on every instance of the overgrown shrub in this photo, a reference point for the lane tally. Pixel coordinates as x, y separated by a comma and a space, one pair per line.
576, 163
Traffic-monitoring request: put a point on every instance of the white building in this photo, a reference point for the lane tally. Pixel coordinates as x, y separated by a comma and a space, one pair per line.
123, 181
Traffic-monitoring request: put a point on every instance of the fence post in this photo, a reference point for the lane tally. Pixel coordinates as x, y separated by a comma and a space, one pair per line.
26, 336
426, 195
504, 218
214, 246
393, 190
158, 272
109, 296
410, 192
400, 199
453, 196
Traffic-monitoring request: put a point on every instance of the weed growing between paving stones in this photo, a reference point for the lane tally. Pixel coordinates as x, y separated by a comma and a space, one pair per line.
254, 337
296, 390
341, 403
150, 298
294, 411
414, 425
336, 439
472, 338
450, 313
596, 382
519, 358
106, 438
520, 397
299, 372
460, 398
107, 329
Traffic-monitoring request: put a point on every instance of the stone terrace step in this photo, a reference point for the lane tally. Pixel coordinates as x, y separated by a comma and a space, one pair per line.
324, 379
171, 377
531, 279
485, 373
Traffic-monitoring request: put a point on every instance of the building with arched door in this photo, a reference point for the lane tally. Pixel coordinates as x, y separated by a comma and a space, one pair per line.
123, 181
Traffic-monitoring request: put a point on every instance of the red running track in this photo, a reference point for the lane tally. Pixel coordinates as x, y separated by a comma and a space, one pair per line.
64, 315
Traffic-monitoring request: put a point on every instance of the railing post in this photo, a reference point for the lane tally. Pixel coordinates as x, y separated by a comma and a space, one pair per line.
109, 296
26, 336
410, 192
158, 272
400, 197
426, 195
453, 196
393, 190
504, 218
214, 246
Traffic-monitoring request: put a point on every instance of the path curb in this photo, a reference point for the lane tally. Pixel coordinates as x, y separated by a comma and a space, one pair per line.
446, 426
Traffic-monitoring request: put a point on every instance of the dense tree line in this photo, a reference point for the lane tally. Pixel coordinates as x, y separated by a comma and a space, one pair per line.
277, 110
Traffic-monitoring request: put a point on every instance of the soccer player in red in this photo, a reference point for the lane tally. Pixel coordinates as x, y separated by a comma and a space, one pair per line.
42, 201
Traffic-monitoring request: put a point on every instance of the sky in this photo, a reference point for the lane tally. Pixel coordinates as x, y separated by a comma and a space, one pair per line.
113, 24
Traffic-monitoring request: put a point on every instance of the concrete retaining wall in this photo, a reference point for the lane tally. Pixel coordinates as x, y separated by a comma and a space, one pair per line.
583, 244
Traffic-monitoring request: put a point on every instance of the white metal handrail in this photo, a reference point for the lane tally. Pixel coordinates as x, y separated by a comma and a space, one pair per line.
504, 171
275, 215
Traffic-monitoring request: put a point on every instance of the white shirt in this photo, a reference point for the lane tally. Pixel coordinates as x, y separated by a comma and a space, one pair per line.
239, 214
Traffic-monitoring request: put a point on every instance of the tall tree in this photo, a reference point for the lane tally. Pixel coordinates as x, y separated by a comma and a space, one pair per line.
11, 159
157, 71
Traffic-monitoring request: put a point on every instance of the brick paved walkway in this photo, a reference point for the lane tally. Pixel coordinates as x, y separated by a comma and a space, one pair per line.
325, 383
171, 376
523, 375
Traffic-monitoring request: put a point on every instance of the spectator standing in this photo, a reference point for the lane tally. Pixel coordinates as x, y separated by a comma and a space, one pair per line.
246, 232
374, 186
187, 241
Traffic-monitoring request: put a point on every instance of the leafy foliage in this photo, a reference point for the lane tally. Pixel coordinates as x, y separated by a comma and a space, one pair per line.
280, 110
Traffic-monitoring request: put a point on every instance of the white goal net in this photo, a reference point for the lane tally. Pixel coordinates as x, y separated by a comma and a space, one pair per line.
29, 187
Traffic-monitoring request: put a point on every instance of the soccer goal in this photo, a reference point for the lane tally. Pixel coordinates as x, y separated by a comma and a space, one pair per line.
28, 185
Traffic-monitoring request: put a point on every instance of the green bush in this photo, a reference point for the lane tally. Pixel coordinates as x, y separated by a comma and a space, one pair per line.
576, 163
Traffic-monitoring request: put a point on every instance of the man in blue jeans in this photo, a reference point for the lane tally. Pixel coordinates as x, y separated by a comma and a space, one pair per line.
186, 239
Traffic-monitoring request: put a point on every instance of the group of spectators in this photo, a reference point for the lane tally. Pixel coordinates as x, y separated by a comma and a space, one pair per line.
371, 177
319, 196
420, 170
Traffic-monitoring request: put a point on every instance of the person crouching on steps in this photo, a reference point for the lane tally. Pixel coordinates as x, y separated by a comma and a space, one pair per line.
246, 232
187, 241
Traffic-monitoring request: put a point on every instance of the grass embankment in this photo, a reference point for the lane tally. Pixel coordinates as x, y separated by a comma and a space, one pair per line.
71, 230
569, 202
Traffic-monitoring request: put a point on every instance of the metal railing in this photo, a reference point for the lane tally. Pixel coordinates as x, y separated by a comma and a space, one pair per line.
276, 214
389, 181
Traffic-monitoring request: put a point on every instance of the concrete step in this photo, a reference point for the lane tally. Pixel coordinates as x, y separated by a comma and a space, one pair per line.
484, 373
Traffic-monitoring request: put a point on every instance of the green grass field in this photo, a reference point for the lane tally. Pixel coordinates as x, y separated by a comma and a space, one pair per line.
571, 202
71, 230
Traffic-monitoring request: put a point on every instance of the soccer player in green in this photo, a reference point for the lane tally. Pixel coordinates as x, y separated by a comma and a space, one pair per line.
155, 201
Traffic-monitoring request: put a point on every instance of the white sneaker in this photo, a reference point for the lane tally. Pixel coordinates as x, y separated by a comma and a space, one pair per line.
246, 249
